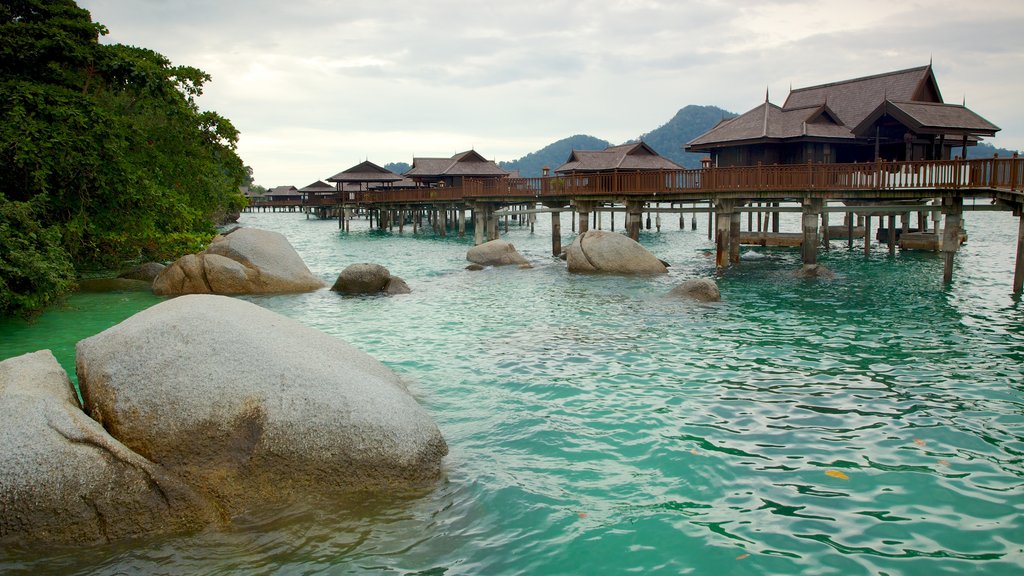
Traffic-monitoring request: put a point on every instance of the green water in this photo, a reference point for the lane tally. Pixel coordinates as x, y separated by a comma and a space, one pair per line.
596, 426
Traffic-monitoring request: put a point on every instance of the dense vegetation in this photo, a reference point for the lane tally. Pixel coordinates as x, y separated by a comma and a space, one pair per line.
688, 123
105, 158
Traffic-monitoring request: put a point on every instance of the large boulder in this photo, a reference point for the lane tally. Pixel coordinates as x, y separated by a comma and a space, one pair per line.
496, 253
362, 278
699, 289
148, 272
611, 252
812, 271
63, 479
251, 407
246, 261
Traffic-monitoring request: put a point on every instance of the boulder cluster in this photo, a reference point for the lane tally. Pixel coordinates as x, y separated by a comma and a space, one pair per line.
196, 410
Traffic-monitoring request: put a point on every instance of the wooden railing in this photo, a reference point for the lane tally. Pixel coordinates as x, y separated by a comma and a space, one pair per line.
1002, 174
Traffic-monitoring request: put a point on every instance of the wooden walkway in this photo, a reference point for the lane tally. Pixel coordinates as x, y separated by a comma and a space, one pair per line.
878, 188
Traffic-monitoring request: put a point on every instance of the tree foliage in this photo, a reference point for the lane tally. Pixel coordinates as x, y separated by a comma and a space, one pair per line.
105, 144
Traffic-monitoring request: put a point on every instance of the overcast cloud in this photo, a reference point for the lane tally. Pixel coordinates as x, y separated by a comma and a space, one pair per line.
316, 86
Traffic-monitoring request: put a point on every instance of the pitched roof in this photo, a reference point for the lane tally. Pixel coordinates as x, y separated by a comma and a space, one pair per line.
284, 191
318, 187
634, 156
469, 163
841, 110
365, 172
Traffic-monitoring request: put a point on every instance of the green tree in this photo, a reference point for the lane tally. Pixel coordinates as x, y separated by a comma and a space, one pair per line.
106, 144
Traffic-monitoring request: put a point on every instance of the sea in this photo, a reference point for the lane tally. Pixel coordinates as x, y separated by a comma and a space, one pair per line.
871, 423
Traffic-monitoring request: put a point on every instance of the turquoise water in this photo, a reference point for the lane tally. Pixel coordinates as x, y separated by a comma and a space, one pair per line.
870, 424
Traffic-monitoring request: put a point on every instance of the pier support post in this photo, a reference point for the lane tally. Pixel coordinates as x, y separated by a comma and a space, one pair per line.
867, 234
826, 238
479, 224
492, 224
583, 210
556, 228
1018, 270
462, 221
634, 217
892, 234
723, 222
953, 208
734, 237
809, 223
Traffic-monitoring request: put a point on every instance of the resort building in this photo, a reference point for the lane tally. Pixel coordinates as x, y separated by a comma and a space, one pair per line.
449, 172
892, 116
623, 158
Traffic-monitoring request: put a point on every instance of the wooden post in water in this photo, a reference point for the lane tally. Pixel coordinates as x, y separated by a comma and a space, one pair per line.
556, 233
712, 219
583, 210
462, 221
867, 234
492, 223
892, 234
809, 226
735, 223
824, 226
953, 208
850, 216
1018, 269
723, 220
634, 216
479, 224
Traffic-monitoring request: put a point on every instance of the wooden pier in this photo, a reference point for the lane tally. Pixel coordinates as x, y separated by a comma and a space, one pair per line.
934, 189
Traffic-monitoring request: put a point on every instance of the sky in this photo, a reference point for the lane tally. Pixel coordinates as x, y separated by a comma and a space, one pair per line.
318, 86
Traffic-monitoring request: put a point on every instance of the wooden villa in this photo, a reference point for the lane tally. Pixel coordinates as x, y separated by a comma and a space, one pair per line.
634, 157
892, 116
364, 176
450, 172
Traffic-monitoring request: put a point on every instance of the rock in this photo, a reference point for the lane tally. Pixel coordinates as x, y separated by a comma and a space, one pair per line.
814, 271
251, 407
495, 253
362, 278
700, 289
610, 252
148, 271
397, 286
246, 261
474, 267
63, 479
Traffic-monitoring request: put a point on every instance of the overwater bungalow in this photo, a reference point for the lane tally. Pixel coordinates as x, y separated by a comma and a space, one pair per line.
449, 172
892, 116
364, 176
623, 158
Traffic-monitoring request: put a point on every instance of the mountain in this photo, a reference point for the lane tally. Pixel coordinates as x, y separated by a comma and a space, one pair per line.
553, 155
984, 150
690, 122
397, 167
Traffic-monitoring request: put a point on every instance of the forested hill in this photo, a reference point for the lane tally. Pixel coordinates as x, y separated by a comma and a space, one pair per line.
553, 155
691, 121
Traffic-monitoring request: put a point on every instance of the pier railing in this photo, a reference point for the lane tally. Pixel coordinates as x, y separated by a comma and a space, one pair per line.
991, 174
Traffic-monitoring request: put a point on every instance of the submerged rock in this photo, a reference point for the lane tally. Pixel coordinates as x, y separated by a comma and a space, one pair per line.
814, 271
252, 407
246, 261
63, 479
496, 253
700, 289
612, 253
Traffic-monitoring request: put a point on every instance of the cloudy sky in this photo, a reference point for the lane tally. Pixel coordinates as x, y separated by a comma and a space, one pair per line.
317, 86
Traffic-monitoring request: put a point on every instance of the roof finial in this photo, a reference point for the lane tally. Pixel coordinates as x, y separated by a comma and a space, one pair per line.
964, 104
930, 60
766, 93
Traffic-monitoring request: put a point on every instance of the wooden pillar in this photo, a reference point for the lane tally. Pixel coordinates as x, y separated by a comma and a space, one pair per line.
892, 234
850, 217
953, 208
462, 221
583, 210
824, 227
492, 224
712, 220
775, 218
723, 220
867, 234
556, 233
479, 224
634, 215
735, 222
809, 224
1018, 270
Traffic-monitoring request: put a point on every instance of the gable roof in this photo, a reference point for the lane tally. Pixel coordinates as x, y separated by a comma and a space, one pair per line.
283, 191
633, 156
469, 163
844, 110
365, 172
318, 187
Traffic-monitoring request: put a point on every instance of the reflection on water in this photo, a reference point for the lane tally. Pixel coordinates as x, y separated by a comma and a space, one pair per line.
868, 424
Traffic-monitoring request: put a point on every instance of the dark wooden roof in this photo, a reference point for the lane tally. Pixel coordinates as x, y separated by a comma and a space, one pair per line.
284, 191
469, 163
843, 110
365, 172
318, 187
628, 157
